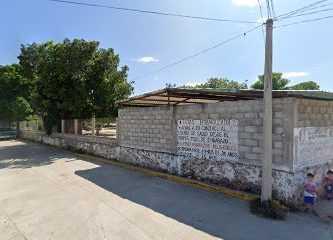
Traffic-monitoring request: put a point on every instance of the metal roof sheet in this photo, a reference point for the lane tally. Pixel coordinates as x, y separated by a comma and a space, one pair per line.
184, 96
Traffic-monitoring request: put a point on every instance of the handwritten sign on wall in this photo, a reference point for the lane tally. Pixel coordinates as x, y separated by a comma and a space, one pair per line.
208, 139
312, 146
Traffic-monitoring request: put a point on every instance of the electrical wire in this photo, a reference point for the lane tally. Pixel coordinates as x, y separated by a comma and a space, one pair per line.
151, 12
260, 9
305, 21
199, 53
269, 13
262, 21
321, 6
299, 10
273, 9
308, 13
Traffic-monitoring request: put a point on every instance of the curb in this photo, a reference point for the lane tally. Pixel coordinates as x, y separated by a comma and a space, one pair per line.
191, 182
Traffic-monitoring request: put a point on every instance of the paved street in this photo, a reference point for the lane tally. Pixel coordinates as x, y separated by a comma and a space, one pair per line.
47, 193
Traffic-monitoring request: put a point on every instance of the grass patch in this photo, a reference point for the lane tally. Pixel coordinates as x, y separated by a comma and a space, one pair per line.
274, 209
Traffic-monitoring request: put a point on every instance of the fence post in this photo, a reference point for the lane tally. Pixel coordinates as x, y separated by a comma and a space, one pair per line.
117, 129
76, 126
62, 125
93, 125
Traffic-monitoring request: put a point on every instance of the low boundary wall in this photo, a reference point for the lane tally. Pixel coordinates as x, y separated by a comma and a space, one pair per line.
287, 185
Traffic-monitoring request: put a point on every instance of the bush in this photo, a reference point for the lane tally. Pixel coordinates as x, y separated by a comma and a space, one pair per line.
273, 209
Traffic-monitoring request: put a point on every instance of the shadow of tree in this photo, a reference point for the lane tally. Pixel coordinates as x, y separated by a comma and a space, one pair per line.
34, 155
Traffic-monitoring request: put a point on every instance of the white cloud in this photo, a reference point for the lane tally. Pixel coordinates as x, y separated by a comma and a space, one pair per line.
245, 3
263, 20
146, 60
295, 74
192, 84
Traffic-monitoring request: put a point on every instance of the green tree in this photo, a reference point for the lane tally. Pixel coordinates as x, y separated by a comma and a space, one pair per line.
279, 83
170, 85
221, 83
74, 79
15, 92
310, 85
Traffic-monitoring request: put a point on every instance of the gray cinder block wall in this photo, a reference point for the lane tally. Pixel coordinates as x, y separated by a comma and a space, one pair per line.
314, 113
150, 131
154, 128
147, 137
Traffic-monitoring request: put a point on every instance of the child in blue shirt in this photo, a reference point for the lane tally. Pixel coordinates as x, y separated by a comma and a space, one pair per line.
310, 187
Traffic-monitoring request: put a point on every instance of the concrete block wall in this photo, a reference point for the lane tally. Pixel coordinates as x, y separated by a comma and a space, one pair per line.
147, 138
149, 128
104, 147
314, 113
154, 128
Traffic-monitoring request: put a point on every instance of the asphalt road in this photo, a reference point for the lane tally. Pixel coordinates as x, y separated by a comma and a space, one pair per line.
48, 193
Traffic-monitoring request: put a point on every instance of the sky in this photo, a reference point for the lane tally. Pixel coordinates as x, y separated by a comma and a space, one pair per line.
148, 42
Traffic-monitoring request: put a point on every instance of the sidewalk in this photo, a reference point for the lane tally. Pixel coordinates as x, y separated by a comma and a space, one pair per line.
324, 208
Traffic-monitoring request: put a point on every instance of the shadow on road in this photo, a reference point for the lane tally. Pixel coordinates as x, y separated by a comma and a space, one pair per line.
182, 203
215, 214
11, 155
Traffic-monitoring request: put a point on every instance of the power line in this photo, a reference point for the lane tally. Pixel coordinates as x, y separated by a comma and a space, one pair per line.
321, 6
260, 9
269, 13
307, 13
305, 21
300, 10
273, 9
262, 20
198, 53
150, 12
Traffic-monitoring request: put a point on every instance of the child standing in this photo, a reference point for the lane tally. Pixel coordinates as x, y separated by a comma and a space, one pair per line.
328, 185
310, 192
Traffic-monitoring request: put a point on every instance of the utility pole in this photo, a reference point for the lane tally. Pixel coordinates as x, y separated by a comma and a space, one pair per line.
267, 179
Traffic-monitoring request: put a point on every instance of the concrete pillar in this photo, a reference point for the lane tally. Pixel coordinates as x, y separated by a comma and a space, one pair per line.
93, 126
76, 126
267, 179
62, 126
117, 129
174, 129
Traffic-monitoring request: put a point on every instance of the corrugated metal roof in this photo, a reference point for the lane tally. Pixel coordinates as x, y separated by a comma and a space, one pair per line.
183, 96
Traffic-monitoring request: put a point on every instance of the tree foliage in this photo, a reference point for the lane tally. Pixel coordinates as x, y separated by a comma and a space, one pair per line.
74, 79
14, 94
310, 85
221, 83
280, 83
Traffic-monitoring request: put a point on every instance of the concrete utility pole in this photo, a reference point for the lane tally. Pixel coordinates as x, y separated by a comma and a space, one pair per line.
267, 179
